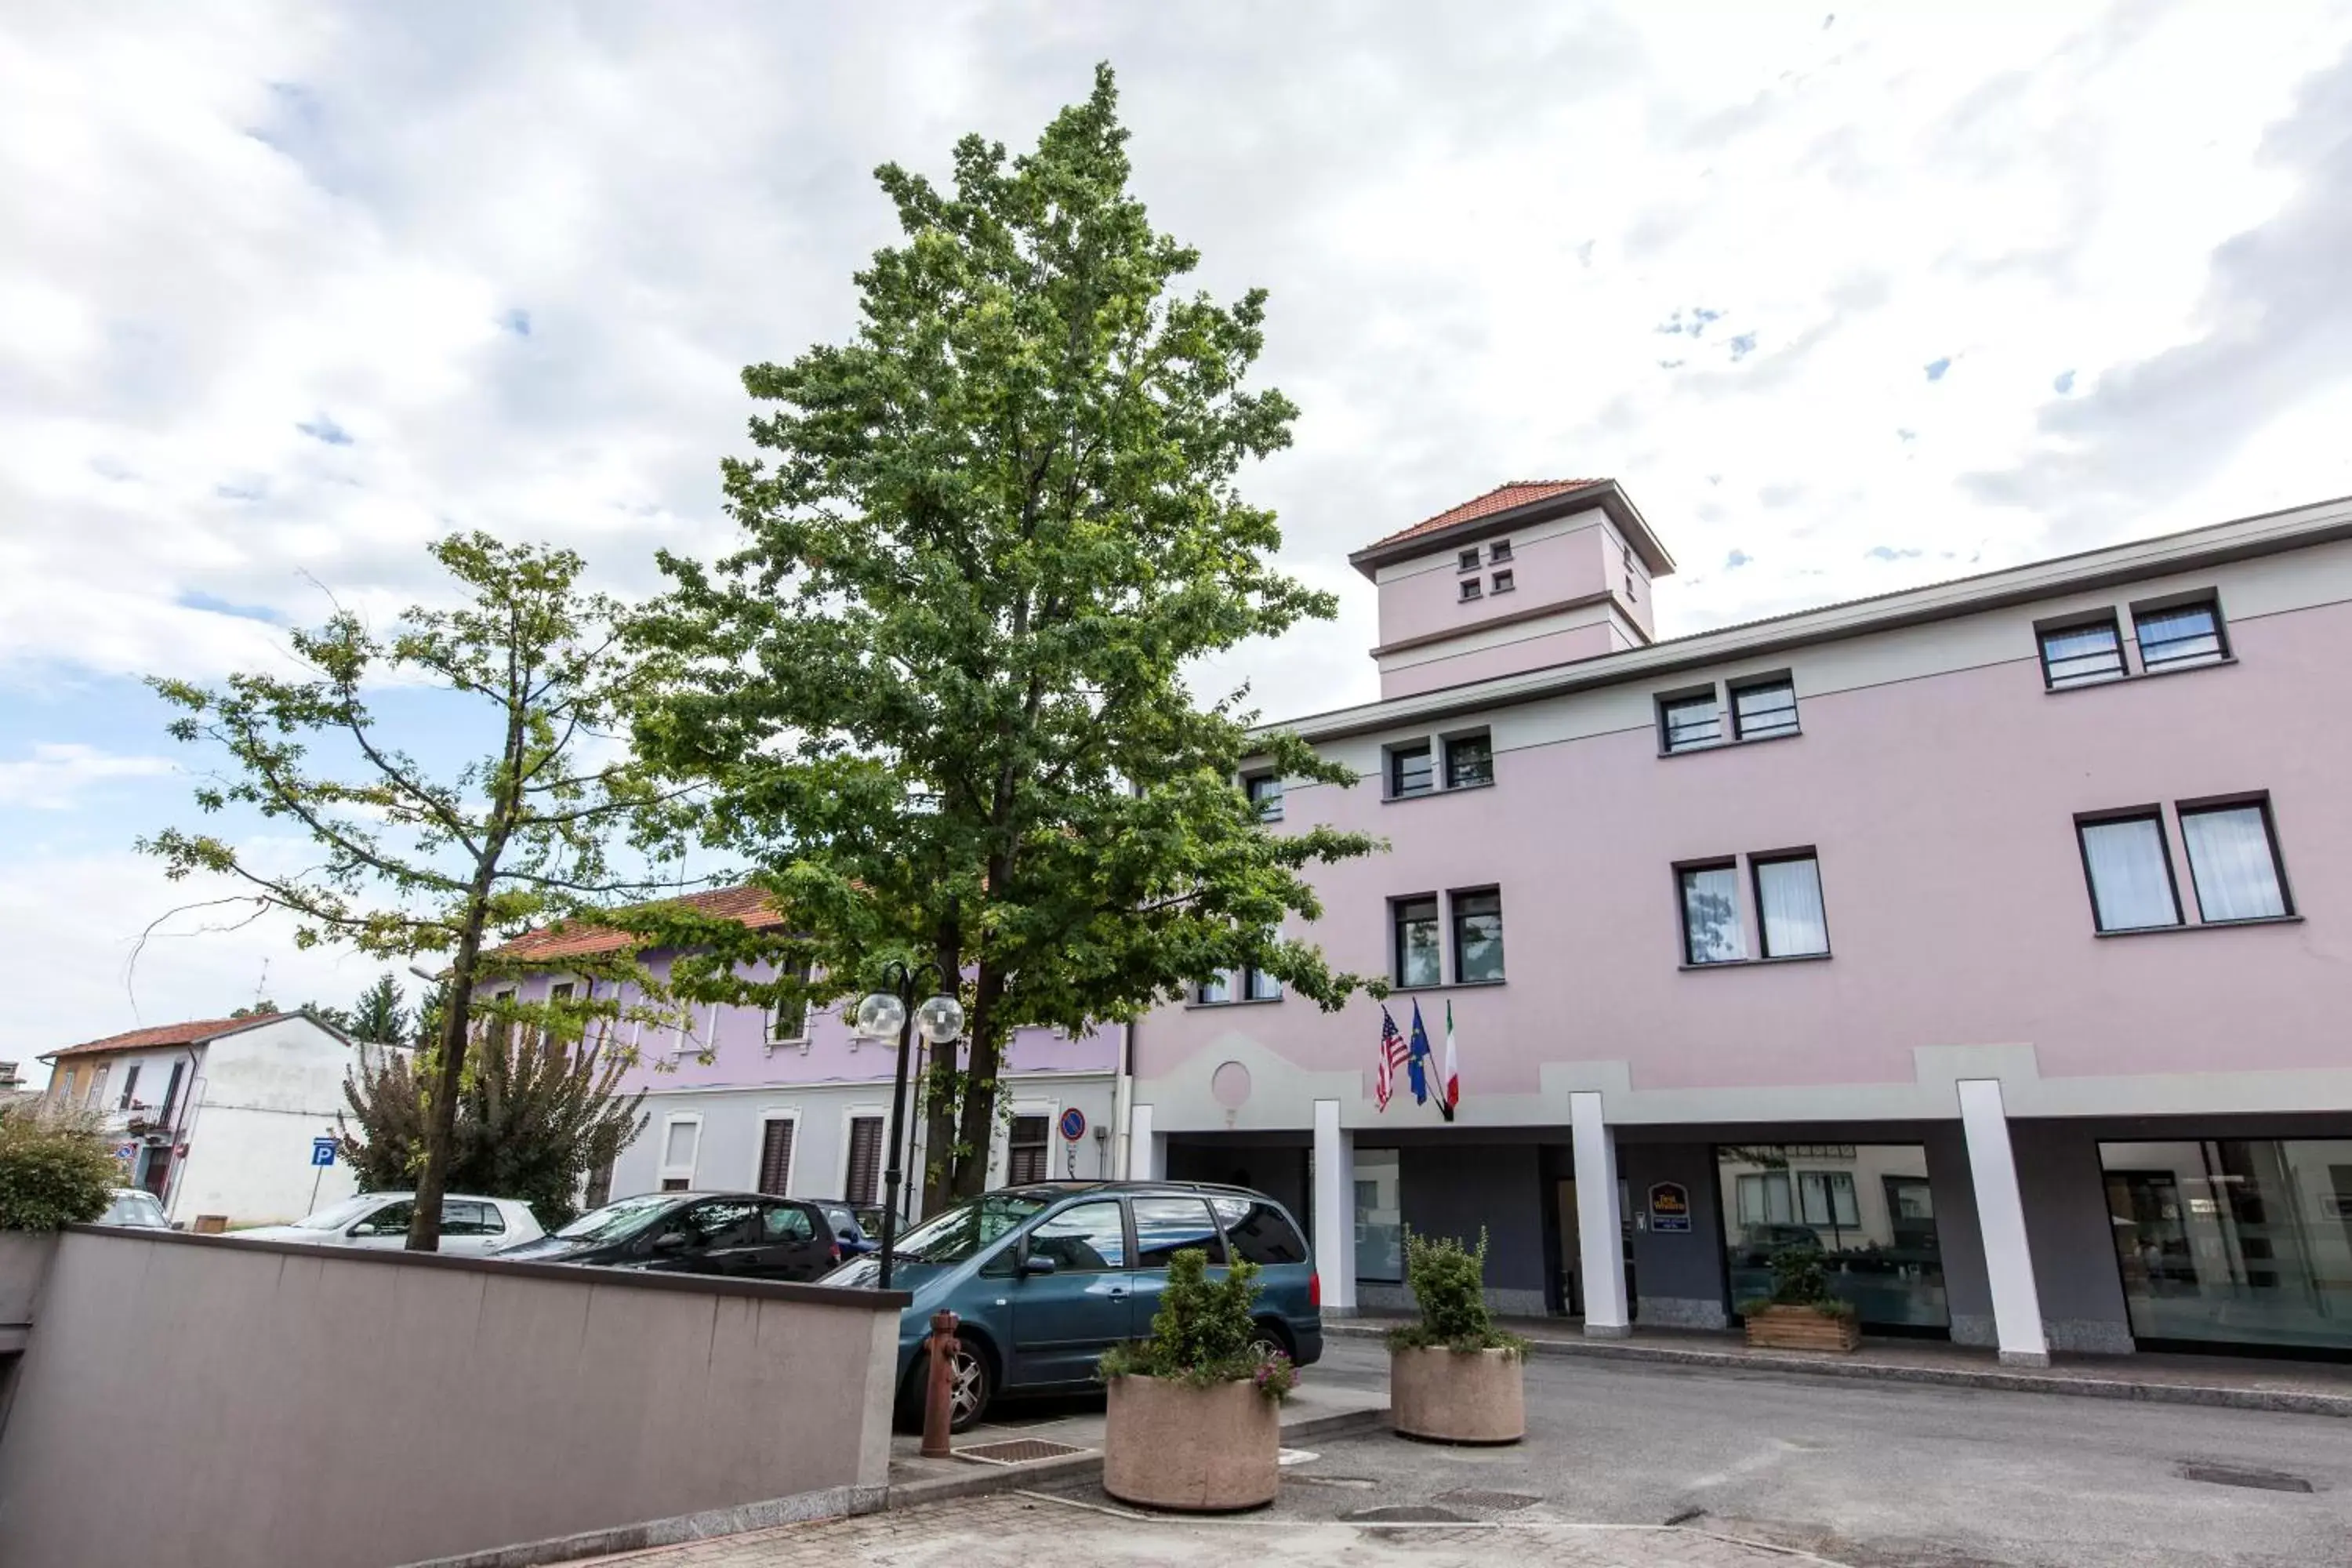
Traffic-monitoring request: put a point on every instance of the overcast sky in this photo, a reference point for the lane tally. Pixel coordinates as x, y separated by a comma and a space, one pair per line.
1848, 300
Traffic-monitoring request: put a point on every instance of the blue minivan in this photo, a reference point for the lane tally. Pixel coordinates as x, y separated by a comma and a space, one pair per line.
1045, 1277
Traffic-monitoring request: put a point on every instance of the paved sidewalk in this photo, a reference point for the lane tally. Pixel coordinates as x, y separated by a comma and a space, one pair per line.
2245, 1383
1018, 1530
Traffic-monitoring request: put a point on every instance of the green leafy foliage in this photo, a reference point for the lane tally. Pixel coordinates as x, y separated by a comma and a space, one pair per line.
1203, 1333
379, 1016
939, 692
403, 862
532, 1120
54, 1169
1449, 1285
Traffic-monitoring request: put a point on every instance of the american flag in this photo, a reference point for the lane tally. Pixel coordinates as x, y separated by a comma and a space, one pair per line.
1393, 1052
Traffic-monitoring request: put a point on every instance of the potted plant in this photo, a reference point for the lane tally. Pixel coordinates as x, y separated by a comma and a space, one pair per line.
54, 1171
1800, 1314
1194, 1424
1454, 1377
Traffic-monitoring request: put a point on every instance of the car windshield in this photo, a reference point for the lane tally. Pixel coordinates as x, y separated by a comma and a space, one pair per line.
133, 1208
959, 1233
610, 1221
338, 1215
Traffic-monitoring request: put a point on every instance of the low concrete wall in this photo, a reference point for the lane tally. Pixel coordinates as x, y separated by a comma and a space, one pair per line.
350, 1409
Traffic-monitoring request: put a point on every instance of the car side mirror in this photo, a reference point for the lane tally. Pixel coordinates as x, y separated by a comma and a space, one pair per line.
670, 1241
1035, 1263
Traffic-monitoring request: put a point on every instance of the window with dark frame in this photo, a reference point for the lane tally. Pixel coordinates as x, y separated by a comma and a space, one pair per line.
1789, 919
2082, 654
1477, 937
1469, 761
2129, 871
2233, 862
864, 1175
1025, 1150
1218, 987
1687, 723
2179, 635
1264, 792
1248, 983
788, 1022
1710, 907
1417, 947
1499, 552
776, 1154
1467, 560
1631, 579
1470, 588
1411, 771
130, 1088
1503, 582
1762, 709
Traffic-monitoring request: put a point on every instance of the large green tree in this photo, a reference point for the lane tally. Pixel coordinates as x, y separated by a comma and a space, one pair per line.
940, 690
403, 861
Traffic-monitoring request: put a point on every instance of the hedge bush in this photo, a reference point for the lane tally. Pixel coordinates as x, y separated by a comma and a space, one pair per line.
55, 1170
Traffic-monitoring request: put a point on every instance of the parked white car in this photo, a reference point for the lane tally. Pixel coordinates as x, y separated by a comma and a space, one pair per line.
135, 1206
470, 1225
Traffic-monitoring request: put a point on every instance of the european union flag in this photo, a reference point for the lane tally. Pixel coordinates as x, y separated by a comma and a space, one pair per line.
1416, 1064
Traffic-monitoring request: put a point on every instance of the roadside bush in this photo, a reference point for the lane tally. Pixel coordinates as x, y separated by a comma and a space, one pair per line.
1449, 1285
1203, 1333
1800, 1279
54, 1169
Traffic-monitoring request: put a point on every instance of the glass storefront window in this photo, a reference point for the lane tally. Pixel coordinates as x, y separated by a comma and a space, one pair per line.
1380, 1217
1867, 1206
2235, 1241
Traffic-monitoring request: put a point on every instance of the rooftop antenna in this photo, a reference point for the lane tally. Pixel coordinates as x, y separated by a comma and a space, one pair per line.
261, 986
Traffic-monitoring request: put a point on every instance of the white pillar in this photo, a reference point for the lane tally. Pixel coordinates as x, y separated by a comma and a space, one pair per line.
1146, 1153
1335, 1208
1599, 1232
2000, 1218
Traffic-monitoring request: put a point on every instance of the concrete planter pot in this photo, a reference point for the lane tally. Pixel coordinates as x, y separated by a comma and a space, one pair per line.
1191, 1450
24, 1263
1446, 1396
1802, 1329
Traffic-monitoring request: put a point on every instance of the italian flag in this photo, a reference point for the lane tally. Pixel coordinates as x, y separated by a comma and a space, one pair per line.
1449, 1086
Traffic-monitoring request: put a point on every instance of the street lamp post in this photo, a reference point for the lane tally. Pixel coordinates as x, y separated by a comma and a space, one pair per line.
880, 1015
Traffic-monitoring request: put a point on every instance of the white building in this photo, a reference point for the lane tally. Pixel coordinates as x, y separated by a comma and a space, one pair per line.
218, 1116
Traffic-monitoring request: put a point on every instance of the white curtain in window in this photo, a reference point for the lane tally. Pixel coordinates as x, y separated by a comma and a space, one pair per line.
2129, 881
1711, 915
2230, 856
1789, 899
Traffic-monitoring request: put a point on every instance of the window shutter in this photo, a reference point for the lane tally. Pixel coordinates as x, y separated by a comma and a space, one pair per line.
1025, 1160
775, 1157
864, 1159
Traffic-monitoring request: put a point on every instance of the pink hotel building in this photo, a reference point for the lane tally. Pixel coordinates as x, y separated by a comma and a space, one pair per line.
1996, 935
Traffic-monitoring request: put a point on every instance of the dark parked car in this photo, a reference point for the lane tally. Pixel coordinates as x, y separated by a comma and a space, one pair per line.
1047, 1277
744, 1234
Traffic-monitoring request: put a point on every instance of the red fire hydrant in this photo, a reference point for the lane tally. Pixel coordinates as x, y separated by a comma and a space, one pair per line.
939, 1394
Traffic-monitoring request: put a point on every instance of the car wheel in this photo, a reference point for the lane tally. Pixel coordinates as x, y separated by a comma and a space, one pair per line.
1272, 1336
970, 1385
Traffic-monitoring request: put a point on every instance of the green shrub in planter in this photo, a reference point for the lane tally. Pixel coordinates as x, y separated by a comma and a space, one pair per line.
1449, 1286
1203, 1333
55, 1170
1800, 1279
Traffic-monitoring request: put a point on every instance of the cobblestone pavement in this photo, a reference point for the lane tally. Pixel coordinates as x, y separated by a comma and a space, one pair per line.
1018, 1530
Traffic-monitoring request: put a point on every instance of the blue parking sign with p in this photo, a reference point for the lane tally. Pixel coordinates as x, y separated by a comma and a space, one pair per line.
322, 1150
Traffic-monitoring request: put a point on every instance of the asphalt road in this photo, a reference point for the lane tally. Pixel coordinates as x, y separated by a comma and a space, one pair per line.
1878, 1475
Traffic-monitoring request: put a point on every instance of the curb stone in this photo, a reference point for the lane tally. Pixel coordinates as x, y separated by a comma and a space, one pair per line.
2217, 1396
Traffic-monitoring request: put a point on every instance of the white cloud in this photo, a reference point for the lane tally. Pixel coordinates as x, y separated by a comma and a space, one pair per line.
61, 776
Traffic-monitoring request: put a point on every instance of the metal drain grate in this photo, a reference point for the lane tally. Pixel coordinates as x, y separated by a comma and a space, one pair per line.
1404, 1513
2236, 1476
1017, 1451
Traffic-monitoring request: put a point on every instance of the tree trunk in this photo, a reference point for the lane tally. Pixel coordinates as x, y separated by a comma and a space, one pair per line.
978, 1110
441, 1115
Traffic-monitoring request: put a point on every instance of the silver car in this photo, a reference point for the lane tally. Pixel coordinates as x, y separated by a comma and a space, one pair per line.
470, 1225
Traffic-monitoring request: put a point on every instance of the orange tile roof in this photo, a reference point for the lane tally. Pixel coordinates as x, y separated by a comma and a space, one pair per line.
1502, 497
193, 1033
749, 905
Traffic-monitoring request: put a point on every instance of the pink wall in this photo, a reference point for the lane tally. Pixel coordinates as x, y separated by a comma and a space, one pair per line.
1486, 663
1544, 572
1942, 809
738, 1059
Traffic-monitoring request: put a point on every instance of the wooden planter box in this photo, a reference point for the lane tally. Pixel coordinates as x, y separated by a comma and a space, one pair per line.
1802, 1329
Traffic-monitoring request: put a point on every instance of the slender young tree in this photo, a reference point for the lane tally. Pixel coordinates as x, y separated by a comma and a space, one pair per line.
409, 863
939, 692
